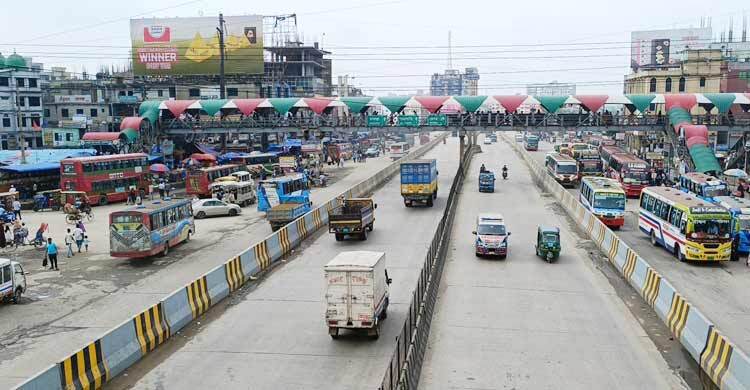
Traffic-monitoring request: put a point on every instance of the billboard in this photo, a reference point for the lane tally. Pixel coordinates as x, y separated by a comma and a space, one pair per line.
190, 46
661, 48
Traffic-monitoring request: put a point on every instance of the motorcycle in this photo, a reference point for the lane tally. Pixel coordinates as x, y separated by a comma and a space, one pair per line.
505, 175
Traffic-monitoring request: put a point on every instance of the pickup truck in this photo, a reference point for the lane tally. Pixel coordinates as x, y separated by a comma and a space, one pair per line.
280, 215
356, 292
354, 217
419, 181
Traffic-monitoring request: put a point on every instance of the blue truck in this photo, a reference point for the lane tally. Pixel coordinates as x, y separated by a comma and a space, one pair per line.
739, 208
290, 208
486, 181
419, 182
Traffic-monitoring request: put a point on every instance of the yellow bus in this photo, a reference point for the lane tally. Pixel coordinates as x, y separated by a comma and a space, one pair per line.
604, 198
687, 226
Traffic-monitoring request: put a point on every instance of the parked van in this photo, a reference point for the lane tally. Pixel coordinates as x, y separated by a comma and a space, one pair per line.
12, 281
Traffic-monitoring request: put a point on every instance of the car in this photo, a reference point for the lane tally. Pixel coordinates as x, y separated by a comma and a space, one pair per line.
372, 151
519, 137
492, 236
487, 141
212, 207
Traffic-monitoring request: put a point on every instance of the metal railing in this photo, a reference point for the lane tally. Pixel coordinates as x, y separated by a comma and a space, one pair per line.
406, 363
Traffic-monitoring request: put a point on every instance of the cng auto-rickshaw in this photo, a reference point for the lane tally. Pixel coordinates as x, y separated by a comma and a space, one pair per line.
44, 200
548, 243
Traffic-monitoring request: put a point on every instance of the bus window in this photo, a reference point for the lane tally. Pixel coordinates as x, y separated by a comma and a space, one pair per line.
126, 218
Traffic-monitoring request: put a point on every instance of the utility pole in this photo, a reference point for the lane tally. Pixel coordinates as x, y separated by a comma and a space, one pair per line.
17, 118
222, 89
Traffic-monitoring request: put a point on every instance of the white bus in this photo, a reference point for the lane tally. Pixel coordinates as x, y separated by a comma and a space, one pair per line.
563, 168
604, 198
398, 150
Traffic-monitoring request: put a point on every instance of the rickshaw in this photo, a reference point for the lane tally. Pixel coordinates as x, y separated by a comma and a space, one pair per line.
76, 203
47, 200
548, 243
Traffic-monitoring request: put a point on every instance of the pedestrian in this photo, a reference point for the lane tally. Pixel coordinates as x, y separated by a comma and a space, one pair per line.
69, 243
162, 186
12, 188
17, 208
741, 190
52, 254
3, 243
167, 188
80, 225
8, 235
78, 237
86, 242
138, 200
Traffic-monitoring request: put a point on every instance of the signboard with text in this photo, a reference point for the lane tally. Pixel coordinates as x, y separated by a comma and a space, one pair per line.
190, 46
437, 120
408, 120
376, 121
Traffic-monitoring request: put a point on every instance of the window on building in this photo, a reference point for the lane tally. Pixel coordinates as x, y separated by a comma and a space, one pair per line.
232, 92
32, 83
6, 122
46, 112
20, 82
35, 120
172, 92
3, 81
79, 111
159, 93
703, 82
34, 101
94, 112
668, 85
194, 92
58, 137
652, 85
130, 93
682, 84
22, 101
64, 113
121, 93
68, 137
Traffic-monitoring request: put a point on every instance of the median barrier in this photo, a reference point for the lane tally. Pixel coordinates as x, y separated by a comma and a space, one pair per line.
719, 359
177, 310
125, 344
48, 379
216, 284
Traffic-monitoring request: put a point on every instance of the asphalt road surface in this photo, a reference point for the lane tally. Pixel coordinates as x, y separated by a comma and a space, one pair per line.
522, 323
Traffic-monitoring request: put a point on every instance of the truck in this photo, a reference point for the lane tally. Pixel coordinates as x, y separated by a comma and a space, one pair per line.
354, 217
486, 181
531, 142
356, 292
281, 214
419, 181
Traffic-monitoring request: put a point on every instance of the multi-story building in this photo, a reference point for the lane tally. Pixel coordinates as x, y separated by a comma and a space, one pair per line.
454, 83
551, 89
696, 71
21, 108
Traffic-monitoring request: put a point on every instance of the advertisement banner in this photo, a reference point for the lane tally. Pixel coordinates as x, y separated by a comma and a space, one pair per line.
662, 48
190, 46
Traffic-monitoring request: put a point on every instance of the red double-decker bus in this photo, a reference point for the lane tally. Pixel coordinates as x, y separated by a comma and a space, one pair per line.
630, 171
105, 178
199, 179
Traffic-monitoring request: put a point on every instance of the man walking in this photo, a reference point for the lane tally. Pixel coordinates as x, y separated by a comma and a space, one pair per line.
78, 236
69, 243
17, 208
162, 186
52, 254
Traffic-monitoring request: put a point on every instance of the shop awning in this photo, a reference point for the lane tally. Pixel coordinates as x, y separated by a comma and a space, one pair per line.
31, 168
101, 136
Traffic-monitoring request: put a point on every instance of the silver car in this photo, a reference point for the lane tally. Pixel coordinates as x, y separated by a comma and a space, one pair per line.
203, 208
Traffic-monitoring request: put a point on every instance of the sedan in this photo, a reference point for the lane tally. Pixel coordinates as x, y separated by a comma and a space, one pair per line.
203, 208
372, 152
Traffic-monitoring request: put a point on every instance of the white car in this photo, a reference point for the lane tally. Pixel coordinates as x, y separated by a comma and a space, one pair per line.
203, 208
519, 137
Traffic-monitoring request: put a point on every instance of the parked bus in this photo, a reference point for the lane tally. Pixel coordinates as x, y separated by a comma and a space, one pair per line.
687, 226
531, 142
152, 228
271, 192
563, 168
398, 150
739, 209
589, 163
199, 179
577, 148
630, 171
703, 186
604, 198
105, 178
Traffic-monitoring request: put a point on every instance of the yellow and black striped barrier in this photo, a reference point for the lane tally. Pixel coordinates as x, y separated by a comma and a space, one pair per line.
614, 247
286, 245
602, 232
651, 288
716, 356
262, 257
235, 276
84, 369
198, 298
301, 228
151, 328
678, 314
629, 267
316, 219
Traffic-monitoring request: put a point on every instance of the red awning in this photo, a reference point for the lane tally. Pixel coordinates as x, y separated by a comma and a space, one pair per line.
177, 107
203, 157
318, 105
510, 102
247, 106
683, 100
101, 136
431, 103
131, 122
592, 102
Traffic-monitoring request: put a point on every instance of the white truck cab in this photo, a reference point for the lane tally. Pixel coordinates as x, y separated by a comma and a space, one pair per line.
12, 281
356, 292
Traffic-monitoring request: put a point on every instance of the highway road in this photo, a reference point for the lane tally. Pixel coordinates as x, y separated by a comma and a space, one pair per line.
523, 323
93, 292
275, 336
720, 290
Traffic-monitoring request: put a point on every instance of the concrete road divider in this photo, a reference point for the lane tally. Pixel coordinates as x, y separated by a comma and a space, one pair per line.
720, 360
124, 345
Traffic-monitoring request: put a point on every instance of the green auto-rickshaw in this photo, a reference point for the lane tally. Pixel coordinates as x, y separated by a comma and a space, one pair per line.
548, 243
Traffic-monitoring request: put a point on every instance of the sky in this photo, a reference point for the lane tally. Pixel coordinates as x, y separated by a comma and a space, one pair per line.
392, 46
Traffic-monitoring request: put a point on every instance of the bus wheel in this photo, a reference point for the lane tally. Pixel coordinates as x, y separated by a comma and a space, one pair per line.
653, 239
187, 239
678, 254
166, 250
102, 200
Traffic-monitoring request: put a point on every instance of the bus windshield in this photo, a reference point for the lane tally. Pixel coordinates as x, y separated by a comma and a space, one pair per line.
126, 218
635, 176
606, 200
491, 230
713, 191
591, 166
566, 168
711, 228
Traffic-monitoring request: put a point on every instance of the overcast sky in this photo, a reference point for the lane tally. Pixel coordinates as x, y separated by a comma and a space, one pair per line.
36, 29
